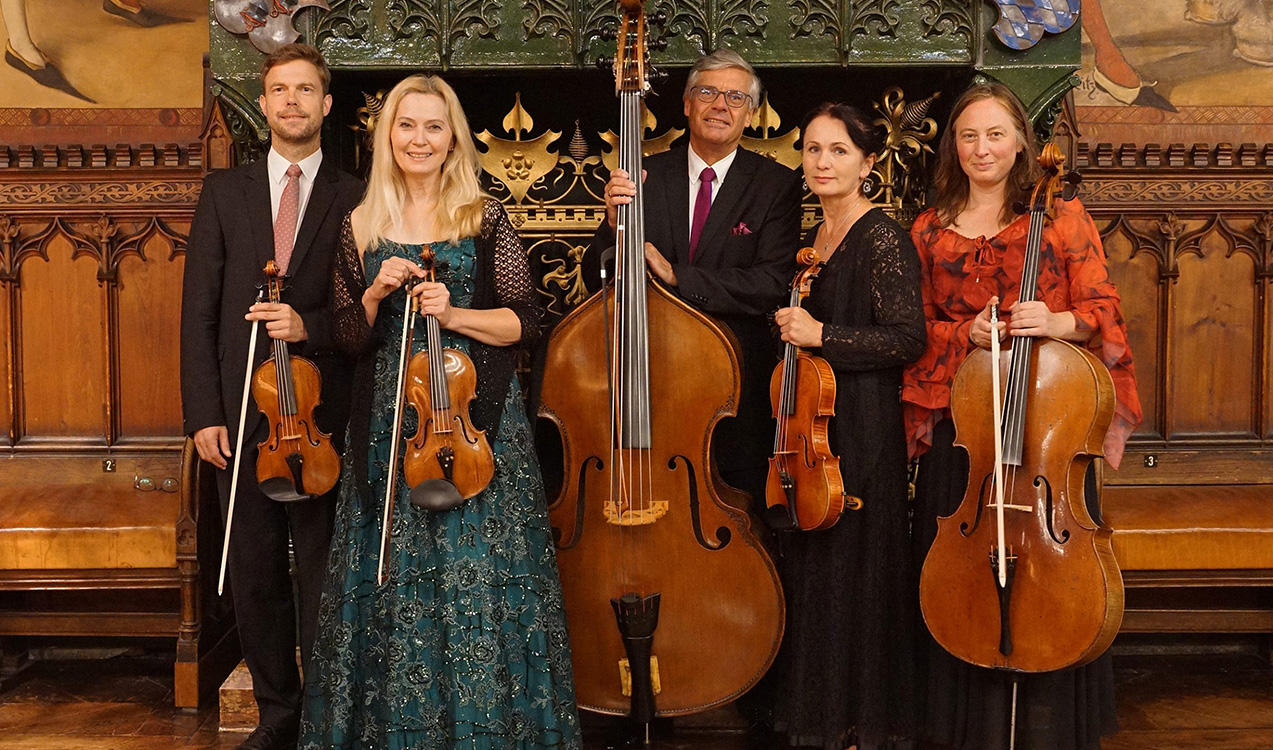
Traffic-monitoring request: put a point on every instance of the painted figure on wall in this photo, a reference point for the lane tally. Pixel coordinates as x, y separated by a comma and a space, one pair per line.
1199, 53
51, 50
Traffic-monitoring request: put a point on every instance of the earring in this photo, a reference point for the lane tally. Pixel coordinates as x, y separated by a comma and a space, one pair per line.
868, 186
804, 185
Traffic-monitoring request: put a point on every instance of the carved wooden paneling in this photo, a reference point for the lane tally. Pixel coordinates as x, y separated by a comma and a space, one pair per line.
60, 319
149, 328
1212, 344
1191, 250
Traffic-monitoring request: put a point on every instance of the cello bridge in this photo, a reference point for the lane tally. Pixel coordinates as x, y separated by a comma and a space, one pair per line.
625, 676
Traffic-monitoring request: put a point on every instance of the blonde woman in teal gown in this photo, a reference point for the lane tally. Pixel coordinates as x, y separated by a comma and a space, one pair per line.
465, 645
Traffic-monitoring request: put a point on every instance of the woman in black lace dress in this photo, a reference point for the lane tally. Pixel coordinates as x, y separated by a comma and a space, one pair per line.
845, 674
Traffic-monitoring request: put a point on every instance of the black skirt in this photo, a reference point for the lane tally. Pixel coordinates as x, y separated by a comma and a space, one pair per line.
970, 707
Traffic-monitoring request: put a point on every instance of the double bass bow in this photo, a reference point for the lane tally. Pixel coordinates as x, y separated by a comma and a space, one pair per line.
296, 461
1020, 577
674, 606
804, 489
447, 460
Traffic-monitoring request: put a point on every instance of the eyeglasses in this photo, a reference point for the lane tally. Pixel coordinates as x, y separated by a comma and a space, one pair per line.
708, 94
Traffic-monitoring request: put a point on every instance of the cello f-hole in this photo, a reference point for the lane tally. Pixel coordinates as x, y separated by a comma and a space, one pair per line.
967, 529
1044, 489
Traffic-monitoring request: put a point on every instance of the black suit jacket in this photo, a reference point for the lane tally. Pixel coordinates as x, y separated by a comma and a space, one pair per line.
231, 240
743, 268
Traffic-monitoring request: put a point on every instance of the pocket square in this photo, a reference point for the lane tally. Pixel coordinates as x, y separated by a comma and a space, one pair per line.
740, 230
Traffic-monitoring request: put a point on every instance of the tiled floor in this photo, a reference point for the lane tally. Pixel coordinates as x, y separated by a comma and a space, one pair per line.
1165, 703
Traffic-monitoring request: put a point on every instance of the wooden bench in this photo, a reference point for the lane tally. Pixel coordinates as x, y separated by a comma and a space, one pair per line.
1195, 558
121, 545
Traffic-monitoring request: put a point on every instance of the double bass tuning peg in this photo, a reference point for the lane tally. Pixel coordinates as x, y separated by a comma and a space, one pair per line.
658, 19
609, 34
658, 45
605, 62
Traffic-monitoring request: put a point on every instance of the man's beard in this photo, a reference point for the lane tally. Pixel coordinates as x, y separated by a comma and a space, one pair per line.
312, 128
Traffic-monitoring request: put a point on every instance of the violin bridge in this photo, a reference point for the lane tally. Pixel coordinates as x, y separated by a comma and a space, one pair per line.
1008, 506
625, 676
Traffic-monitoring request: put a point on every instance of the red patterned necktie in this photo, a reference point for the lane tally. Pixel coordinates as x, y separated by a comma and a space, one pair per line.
285, 222
702, 205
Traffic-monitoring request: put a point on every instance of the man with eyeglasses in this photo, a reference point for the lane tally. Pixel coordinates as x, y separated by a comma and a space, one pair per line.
723, 227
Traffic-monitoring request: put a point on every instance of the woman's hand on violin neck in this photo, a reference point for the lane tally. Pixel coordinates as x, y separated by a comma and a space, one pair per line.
1035, 319
435, 300
798, 327
281, 321
394, 272
979, 332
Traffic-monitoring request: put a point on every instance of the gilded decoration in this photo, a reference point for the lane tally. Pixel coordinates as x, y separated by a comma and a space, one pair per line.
900, 170
552, 187
713, 22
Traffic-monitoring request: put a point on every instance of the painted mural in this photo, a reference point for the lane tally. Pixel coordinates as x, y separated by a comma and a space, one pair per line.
1190, 71
61, 54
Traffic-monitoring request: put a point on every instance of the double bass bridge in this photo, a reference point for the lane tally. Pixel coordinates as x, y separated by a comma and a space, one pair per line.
622, 511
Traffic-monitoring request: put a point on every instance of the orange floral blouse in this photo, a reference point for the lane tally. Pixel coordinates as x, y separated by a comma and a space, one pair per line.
961, 274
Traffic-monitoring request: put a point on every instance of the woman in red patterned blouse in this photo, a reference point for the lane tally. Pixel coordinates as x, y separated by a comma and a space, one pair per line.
972, 247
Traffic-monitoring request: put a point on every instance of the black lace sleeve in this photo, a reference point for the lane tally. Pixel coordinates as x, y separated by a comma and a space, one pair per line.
513, 286
896, 335
350, 331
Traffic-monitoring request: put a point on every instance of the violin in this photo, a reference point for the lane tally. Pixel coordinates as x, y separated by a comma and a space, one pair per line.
674, 606
448, 460
296, 461
447, 454
804, 489
1020, 577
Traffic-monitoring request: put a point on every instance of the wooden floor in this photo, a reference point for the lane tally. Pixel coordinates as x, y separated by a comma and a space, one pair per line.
1216, 702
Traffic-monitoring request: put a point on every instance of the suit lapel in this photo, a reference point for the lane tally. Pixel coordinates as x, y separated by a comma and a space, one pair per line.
736, 182
259, 214
677, 198
321, 196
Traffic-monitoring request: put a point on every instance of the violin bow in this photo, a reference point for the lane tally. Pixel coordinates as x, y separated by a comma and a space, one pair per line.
238, 445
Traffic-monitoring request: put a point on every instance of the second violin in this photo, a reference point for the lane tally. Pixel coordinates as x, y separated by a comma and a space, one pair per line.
804, 489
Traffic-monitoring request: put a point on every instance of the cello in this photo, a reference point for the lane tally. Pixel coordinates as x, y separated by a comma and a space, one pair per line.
1020, 577
673, 604
804, 489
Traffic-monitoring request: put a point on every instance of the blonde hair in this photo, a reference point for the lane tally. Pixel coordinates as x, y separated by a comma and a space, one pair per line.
460, 199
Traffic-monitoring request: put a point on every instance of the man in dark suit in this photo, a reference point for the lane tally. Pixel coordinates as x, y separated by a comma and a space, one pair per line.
723, 228
287, 207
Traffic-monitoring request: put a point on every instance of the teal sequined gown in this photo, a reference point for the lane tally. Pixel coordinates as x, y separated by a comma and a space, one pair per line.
465, 646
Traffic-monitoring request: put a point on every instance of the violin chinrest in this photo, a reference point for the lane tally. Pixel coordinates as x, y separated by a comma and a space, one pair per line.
281, 489
436, 495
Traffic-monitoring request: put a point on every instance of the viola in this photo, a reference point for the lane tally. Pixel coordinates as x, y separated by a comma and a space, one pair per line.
447, 460
674, 605
1020, 577
804, 489
296, 461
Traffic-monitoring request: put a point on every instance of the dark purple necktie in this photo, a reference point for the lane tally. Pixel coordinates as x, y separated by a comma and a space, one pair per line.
701, 206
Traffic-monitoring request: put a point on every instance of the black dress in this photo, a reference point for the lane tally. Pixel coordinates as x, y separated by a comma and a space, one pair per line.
846, 670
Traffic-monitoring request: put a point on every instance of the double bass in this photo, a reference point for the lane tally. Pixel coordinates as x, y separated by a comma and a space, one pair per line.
674, 605
804, 489
1020, 577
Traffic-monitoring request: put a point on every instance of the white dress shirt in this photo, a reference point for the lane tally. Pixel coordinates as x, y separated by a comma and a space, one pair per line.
278, 180
697, 165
